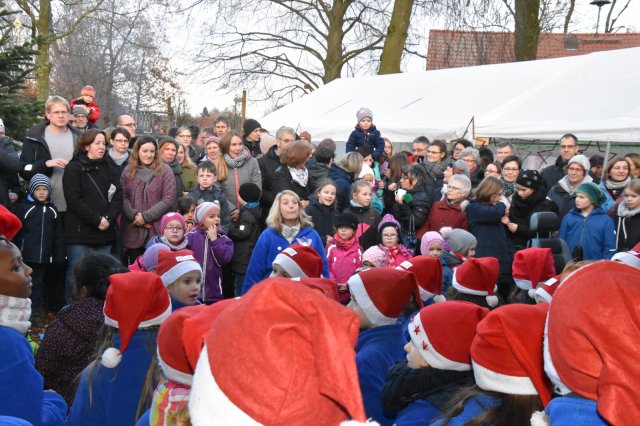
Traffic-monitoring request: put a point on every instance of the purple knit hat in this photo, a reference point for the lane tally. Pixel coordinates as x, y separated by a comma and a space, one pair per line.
428, 239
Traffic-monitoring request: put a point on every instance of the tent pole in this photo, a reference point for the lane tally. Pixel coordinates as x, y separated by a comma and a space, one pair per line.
606, 160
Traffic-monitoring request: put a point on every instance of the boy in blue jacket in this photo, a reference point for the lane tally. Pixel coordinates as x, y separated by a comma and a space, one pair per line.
366, 134
379, 296
588, 226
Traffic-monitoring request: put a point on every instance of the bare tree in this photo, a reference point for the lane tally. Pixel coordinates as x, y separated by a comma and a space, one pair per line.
396, 37
610, 25
527, 29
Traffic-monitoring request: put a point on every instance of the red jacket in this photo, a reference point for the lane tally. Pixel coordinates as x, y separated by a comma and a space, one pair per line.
94, 110
442, 214
343, 263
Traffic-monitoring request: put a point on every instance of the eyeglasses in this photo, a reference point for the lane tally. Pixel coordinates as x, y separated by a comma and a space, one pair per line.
469, 161
389, 235
174, 228
120, 141
419, 150
129, 125
575, 169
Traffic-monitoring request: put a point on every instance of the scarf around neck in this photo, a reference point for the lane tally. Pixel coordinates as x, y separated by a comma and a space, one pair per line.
290, 232
15, 313
571, 189
299, 176
175, 247
235, 163
623, 210
118, 159
345, 244
612, 184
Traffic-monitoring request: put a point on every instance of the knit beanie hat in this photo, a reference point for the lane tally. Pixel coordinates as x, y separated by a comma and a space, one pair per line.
478, 276
163, 140
459, 167
170, 217
39, 180
318, 385
458, 240
150, 255
382, 293
506, 350
250, 125
9, 223
211, 139
174, 264
300, 261
88, 90
591, 339
134, 300
582, 160
546, 289
629, 257
346, 219
530, 179
532, 266
364, 112
376, 256
428, 239
386, 221
433, 328
79, 110
366, 170
592, 192
204, 209
250, 192
323, 285
428, 272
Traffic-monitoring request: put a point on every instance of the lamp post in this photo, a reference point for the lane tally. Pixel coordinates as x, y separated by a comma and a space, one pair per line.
599, 3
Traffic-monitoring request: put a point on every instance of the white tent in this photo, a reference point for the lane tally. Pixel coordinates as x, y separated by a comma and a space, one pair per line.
595, 96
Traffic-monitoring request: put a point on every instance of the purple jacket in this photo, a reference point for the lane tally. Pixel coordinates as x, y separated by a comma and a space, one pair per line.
217, 253
153, 196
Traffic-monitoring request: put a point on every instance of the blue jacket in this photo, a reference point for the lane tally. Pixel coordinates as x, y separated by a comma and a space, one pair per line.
21, 385
594, 233
343, 180
115, 391
609, 202
573, 410
370, 138
377, 350
269, 245
472, 408
485, 225
419, 412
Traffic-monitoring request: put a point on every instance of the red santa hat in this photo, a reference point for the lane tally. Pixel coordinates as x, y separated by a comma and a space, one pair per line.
134, 300
283, 354
428, 272
629, 257
546, 289
506, 351
300, 261
382, 293
592, 335
9, 223
532, 266
478, 277
181, 338
174, 264
323, 285
432, 329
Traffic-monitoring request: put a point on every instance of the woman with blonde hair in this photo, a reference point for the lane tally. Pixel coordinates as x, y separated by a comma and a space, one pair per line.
287, 224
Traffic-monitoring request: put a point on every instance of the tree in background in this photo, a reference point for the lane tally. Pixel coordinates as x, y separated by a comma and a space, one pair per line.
18, 110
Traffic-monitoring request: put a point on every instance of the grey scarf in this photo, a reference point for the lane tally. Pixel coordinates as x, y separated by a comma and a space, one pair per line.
118, 159
290, 232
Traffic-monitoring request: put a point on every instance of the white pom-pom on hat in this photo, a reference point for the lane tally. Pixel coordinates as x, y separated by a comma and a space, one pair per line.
439, 298
111, 357
492, 301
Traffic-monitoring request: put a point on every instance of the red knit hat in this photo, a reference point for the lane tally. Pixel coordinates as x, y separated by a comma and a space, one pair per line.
181, 338
323, 285
134, 300
382, 293
592, 336
169, 217
174, 264
532, 266
428, 272
506, 351
478, 276
282, 355
9, 223
432, 329
546, 289
300, 261
88, 90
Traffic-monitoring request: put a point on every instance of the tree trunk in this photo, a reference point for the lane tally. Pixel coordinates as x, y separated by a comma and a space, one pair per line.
527, 29
396, 37
333, 61
43, 62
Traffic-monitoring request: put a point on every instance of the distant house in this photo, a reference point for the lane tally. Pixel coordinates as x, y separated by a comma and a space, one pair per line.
454, 49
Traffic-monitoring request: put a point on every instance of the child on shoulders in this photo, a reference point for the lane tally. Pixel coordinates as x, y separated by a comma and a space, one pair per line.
87, 99
366, 134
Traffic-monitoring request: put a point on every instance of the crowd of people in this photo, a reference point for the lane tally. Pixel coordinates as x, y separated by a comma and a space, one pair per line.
212, 277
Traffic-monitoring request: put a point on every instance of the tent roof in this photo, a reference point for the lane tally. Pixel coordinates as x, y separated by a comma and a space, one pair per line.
594, 96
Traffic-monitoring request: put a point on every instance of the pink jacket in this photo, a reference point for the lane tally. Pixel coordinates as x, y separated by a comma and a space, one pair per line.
343, 263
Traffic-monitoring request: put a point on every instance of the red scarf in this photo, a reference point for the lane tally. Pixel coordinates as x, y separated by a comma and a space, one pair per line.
391, 252
342, 243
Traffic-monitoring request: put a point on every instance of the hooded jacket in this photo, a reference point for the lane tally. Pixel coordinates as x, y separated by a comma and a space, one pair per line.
40, 239
212, 256
594, 233
323, 218
370, 138
627, 224
343, 180
521, 211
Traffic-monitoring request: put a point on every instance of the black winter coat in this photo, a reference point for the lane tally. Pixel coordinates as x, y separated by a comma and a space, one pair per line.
343, 180
418, 207
10, 165
253, 147
268, 164
562, 199
323, 217
368, 221
35, 151
521, 211
244, 232
211, 195
40, 239
317, 172
117, 169
86, 185
627, 230
282, 180
553, 173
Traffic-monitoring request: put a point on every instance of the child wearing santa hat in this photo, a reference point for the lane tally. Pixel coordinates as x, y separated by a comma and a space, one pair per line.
428, 272
530, 267
511, 386
379, 296
546, 289
438, 362
591, 347
475, 281
173, 229
182, 276
136, 304
281, 355
297, 261
21, 386
212, 249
